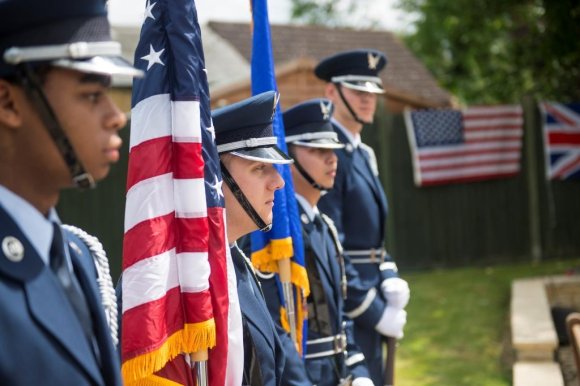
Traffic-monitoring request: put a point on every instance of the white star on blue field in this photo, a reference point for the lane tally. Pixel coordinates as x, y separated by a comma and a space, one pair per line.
153, 57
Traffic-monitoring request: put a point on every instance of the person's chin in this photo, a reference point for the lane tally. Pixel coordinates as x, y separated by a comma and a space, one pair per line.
101, 173
328, 182
268, 218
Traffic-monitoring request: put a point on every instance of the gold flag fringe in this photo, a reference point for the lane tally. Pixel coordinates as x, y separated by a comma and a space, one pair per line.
154, 380
266, 259
193, 337
299, 278
301, 315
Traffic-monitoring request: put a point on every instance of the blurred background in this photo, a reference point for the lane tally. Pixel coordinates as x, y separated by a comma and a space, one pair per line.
460, 244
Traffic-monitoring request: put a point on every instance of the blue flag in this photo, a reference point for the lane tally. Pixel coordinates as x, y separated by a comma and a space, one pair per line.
285, 238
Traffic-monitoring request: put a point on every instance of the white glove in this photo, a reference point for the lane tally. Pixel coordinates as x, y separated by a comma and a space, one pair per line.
362, 381
392, 322
396, 292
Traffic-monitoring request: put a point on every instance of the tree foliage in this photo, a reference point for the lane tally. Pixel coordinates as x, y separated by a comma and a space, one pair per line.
332, 13
483, 51
488, 51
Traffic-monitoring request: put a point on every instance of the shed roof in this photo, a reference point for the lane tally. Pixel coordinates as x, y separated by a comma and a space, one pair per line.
404, 73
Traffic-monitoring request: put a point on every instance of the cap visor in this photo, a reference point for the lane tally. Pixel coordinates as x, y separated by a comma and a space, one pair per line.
325, 143
270, 154
371, 87
105, 65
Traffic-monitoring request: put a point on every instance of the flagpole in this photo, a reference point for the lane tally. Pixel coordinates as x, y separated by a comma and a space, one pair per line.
391, 344
199, 367
285, 273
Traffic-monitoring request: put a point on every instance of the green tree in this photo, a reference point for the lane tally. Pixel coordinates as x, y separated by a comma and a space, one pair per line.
488, 51
322, 12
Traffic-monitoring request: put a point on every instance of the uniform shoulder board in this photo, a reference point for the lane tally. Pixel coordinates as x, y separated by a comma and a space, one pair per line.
104, 280
333, 232
372, 158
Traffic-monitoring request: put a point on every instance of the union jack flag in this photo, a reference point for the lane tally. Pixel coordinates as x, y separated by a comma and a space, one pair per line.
562, 140
179, 289
452, 146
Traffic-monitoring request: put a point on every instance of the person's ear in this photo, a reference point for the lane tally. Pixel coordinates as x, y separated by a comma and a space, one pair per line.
330, 91
10, 110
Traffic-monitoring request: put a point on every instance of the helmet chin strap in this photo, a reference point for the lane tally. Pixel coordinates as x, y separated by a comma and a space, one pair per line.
305, 174
32, 86
243, 200
354, 116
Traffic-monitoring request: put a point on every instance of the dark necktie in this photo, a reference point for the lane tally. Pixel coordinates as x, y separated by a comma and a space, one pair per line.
318, 222
366, 156
71, 286
319, 238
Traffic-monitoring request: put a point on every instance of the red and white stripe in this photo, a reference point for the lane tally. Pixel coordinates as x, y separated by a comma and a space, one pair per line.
175, 254
166, 271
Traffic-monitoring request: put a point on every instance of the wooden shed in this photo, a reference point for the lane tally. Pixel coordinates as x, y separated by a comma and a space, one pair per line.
297, 50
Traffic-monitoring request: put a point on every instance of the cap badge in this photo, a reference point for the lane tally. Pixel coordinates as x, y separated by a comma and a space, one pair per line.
325, 109
13, 249
373, 60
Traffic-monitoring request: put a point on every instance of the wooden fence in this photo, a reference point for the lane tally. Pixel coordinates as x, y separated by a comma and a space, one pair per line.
506, 220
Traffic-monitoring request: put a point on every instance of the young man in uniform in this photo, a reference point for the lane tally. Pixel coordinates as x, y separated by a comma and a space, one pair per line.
358, 205
311, 143
248, 152
58, 129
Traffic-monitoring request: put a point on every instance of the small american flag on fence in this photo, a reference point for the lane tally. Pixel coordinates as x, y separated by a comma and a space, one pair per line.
562, 140
452, 146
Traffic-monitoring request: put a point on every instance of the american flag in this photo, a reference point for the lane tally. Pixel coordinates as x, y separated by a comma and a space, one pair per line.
451, 146
562, 140
179, 290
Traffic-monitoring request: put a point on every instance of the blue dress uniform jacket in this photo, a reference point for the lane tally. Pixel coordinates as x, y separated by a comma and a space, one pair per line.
358, 206
325, 312
43, 342
264, 357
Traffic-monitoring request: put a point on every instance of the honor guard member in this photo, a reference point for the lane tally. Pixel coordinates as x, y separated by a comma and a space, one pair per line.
58, 129
358, 205
331, 357
248, 152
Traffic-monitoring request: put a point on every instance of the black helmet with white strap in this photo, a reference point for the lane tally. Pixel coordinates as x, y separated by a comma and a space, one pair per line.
308, 124
355, 69
244, 129
69, 34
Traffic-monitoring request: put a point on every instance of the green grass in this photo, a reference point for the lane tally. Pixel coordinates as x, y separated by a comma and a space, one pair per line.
457, 320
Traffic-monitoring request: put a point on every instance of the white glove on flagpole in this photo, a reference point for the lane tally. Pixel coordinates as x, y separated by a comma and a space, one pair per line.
396, 292
392, 322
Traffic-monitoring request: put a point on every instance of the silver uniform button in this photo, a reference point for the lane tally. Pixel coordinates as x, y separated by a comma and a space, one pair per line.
349, 148
304, 218
13, 249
